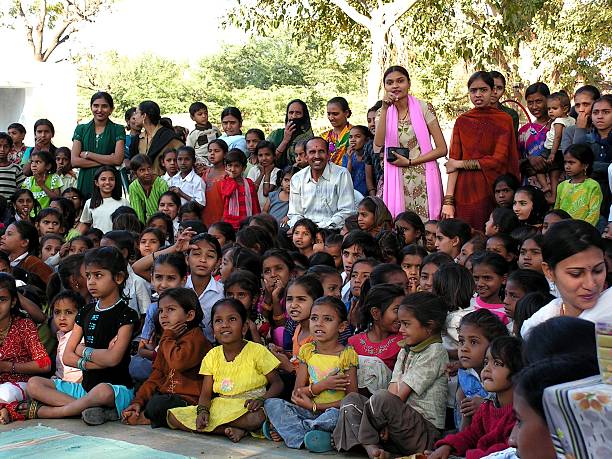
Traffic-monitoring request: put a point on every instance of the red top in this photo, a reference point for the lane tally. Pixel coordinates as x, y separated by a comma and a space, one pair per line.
386, 350
228, 186
213, 211
488, 432
22, 345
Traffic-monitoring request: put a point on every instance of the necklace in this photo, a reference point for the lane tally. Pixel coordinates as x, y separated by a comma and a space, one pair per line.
98, 309
533, 131
4, 331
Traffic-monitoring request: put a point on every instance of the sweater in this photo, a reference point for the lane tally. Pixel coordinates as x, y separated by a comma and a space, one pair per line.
176, 369
488, 432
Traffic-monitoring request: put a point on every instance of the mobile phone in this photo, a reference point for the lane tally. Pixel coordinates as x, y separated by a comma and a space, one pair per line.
405, 152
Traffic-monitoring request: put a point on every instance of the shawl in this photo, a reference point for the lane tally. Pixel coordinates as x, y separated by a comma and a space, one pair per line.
393, 186
162, 137
234, 201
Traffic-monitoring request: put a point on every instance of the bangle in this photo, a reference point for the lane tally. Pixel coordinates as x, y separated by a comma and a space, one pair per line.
311, 392
266, 183
202, 409
87, 352
81, 364
314, 407
409, 162
86, 153
449, 200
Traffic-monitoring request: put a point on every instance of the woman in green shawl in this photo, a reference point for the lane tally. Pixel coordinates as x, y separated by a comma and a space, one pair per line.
297, 128
97, 143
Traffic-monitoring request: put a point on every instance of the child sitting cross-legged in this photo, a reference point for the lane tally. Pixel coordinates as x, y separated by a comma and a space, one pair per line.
65, 306
174, 381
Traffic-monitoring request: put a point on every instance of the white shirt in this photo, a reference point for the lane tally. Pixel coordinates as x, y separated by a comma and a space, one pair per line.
211, 294
168, 178
601, 312
100, 217
550, 135
192, 185
327, 202
254, 174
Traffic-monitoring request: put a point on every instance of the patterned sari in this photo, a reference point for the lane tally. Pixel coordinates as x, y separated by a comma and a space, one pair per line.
338, 144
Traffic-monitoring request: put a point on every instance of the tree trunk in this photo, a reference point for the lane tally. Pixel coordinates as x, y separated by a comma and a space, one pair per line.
375, 72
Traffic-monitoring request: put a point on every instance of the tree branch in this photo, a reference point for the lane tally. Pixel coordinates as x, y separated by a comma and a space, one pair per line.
352, 13
28, 27
57, 39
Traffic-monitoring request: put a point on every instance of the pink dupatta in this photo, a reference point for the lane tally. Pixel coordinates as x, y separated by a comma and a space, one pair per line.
393, 186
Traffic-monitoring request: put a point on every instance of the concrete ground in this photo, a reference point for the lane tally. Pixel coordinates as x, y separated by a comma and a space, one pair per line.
187, 444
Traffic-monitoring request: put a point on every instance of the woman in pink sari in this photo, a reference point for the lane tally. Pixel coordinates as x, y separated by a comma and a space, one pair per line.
412, 182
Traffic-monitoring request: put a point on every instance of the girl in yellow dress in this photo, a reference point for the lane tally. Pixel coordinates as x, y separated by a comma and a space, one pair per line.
238, 372
326, 373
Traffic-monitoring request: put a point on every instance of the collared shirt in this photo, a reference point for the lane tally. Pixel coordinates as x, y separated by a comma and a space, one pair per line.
144, 205
192, 185
19, 259
211, 294
327, 202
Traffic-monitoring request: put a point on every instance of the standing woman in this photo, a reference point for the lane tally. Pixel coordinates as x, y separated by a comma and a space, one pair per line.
412, 183
155, 138
297, 128
532, 135
483, 147
97, 143
338, 113
231, 122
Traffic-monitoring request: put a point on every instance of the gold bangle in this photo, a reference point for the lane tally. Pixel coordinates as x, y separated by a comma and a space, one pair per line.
311, 392
314, 407
449, 200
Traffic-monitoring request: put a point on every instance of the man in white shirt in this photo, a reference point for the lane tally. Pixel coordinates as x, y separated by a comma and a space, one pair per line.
323, 191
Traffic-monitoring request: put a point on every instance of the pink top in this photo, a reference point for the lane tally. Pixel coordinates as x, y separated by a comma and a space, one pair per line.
495, 308
386, 350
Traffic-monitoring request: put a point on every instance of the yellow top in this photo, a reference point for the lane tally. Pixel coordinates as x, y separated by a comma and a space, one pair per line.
320, 366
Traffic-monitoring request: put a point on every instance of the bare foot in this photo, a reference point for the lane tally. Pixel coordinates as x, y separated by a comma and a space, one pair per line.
275, 436
376, 452
234, 433
140, 420
5, 417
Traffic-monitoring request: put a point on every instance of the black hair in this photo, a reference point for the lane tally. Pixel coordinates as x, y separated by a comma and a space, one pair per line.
528, 306
299, 259
321, 258
380, 273
235, 156
69, 295
226, 229
187, 299
232, 111
588, 89
414, 249
379, 296
46, 158
351, 222
437, 258
7, 281
222, 144
155, 232
567, 238
396, 68
505, 219
77, 192
245, 280
102, 95
540, 206
364, 240
562, 214
364, 131
209, 239
562, 97
524, 232
196, 225
167, 221
177, 261
123, 240
265, 221
335, 303
427, 308
27, 231
310, 283
190, 207
21, 128
286, 170
334, 239
8, 138
582, 153
110, 259
561, 335
453, 227
309, 225
196, 107
248, 260
139, 161
84, 239
260, 134
263, 144
507, 241
529, 280
51, 236
163, 154
67, 268
306, 114
487, 322
234, 304
96, 196
176, 199
495, 261
95, 232
413, 220
255, 238
508, 350
128, 115
377, 106
67, 210
495, 74
44, 122
51, 211
537, 88
342, 103
509, 179
186, 149
481, 75
151, 109
376, 206
126, 221
455, 285
282, 255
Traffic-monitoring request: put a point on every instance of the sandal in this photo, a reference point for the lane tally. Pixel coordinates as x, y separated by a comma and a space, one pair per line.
267, 429
28, 409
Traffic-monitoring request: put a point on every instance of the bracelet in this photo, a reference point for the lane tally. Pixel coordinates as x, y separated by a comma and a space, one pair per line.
87, 352
202, 409
266, 183
86, 153
81, 364
314, 407
449, 200
311, 392
409, 162
471, 165
13, 368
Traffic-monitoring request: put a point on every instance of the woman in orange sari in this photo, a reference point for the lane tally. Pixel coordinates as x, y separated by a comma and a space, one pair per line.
483, 147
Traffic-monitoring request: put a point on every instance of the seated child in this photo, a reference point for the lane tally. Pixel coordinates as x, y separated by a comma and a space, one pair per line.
330, 279
238, 371
490, 271
65, 306
174, 380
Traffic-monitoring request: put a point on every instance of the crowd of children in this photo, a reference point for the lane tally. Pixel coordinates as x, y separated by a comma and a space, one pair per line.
183, 300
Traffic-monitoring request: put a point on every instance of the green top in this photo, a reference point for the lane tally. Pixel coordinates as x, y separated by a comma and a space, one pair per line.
581, 200
514, 115
144, 205
102, 144
276, 137
53, 182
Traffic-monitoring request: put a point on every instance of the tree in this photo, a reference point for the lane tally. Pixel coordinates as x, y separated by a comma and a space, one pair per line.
48, 24
355, 22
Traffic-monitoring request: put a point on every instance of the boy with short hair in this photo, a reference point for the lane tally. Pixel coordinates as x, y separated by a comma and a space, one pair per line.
203, 133
187, 184
239, 194
11, 177
169, 164
17, 131
146, 190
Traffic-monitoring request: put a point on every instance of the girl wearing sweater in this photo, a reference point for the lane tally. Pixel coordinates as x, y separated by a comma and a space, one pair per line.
175, 380
494, 420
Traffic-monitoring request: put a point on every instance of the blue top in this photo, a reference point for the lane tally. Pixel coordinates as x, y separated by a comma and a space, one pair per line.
357, 172
236, 141
278, 208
